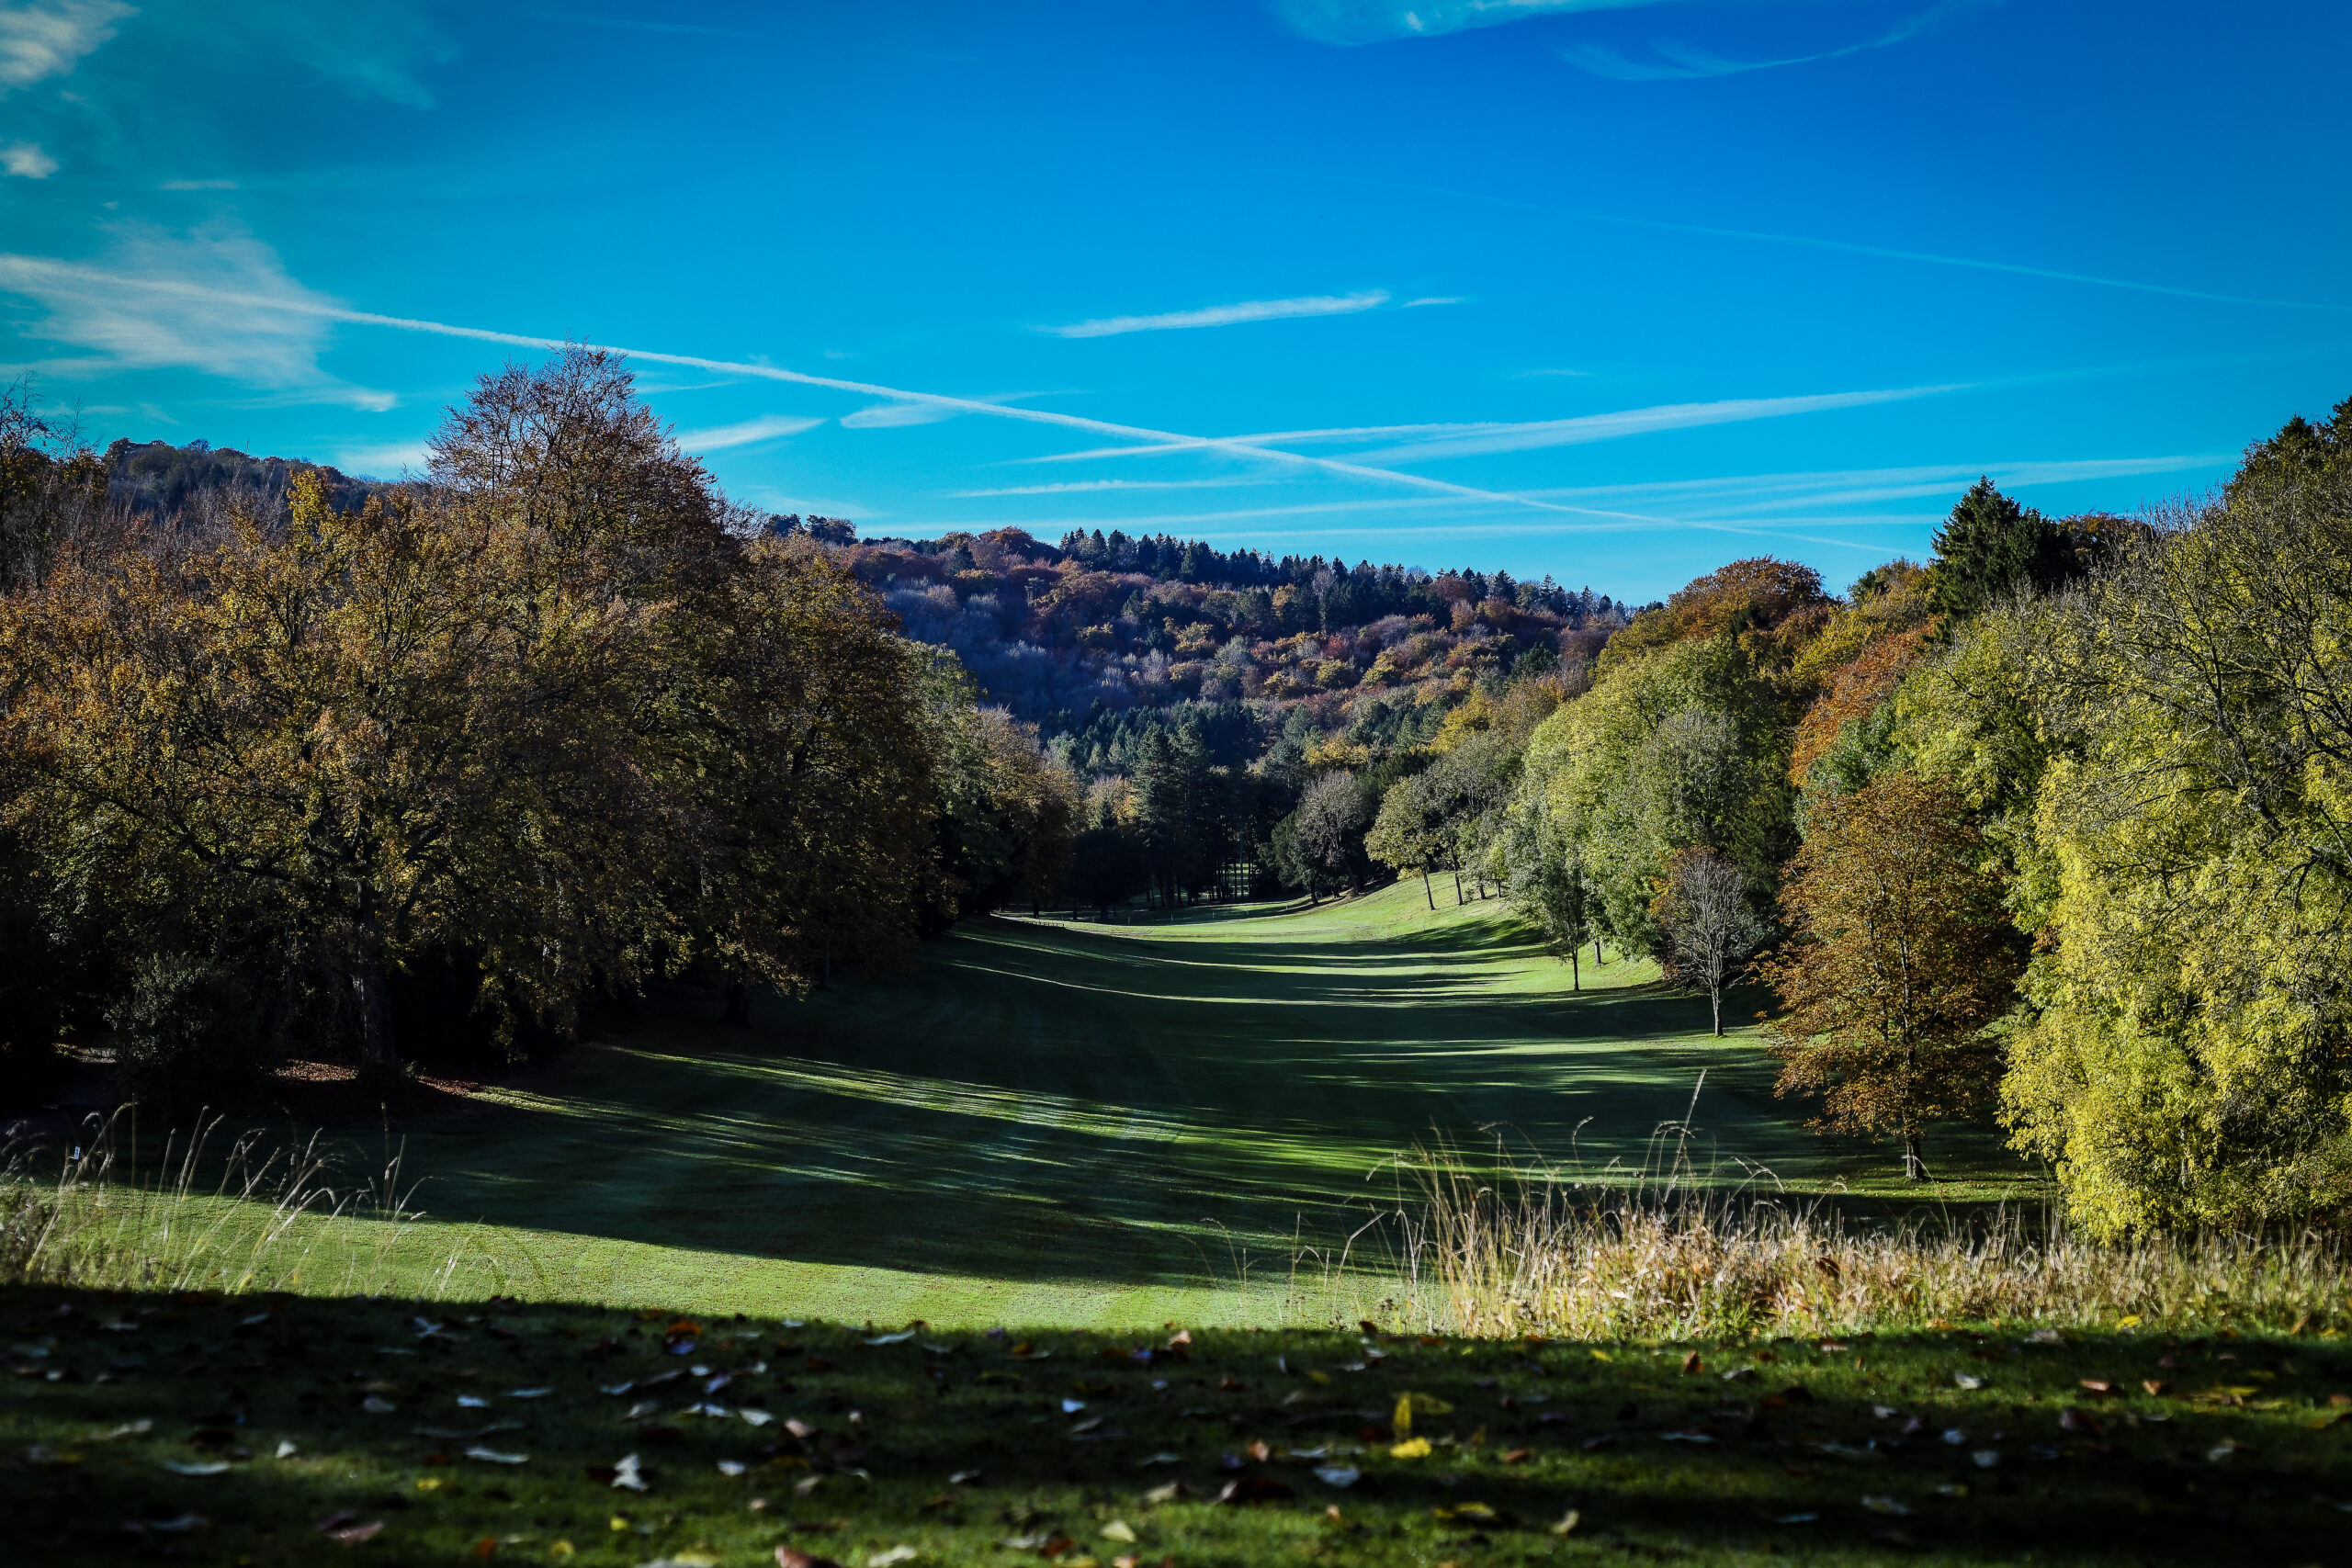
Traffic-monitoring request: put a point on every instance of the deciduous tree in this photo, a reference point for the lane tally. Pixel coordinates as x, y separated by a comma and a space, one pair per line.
1898, 958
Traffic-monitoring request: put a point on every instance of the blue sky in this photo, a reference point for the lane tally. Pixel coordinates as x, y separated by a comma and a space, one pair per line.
1613, 289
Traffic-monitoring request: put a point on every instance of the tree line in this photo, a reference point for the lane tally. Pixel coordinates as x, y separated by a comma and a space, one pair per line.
435, 769
2051, 832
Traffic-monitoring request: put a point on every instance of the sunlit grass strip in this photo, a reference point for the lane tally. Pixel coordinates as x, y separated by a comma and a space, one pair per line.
216, 1211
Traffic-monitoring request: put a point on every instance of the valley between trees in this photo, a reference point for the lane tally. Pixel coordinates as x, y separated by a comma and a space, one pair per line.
1095, 1126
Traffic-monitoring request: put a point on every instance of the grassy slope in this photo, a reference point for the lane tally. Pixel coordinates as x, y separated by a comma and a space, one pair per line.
2242, 1459
1081, 1126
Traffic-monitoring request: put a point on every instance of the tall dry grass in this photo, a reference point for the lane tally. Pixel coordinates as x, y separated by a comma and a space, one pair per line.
1637, 1265
213, 1209
1665, 1251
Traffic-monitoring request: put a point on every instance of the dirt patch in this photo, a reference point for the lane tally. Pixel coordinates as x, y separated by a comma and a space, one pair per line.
329, 1094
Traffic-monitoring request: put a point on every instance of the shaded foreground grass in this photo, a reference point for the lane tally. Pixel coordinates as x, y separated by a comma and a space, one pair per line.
258, 1430
1089, 1126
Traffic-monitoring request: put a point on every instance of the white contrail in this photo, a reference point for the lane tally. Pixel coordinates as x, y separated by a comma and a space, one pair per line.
15, 267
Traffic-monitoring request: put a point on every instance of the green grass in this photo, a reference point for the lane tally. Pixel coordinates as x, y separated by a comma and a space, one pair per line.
1093, 1126
952, 1443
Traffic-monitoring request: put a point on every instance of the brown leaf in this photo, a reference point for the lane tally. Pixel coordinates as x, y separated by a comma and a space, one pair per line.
792, 1557
1691, 1363
2157, 1388
1260, 1452
2099, 1386
1517, 1455
2073, 1420
1254, 1489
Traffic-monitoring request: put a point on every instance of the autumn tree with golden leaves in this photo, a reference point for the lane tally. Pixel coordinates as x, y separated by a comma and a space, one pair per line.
1899, 956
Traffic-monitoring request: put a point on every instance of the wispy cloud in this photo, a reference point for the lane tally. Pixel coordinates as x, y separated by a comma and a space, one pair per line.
1227, 315
1435, 299
24, 160
1677, 63
197, 184
1592, 427
1374, 21
1468, 439
32, 275
1082, 487
45, 37
215, 300
1684, 62
1740, 493
768, 427
1548, 370
895, 416
387, 461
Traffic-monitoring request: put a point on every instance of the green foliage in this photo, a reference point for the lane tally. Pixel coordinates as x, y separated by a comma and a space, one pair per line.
184, 1034
1685, 745
2188, 1063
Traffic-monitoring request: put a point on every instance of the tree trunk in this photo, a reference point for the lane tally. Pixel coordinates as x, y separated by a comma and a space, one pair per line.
1425, 890
1915, 1165
1575, 971
379, 1056
1715, 997
1457, 890
1596, 959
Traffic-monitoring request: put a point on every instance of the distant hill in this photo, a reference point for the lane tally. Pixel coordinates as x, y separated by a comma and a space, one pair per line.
159, 481
1102, 639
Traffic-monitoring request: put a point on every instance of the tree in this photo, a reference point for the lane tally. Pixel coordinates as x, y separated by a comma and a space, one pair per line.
1991, 546
1543, 875
2187, 1061
551, 721
1704, 912
1899, 956
1327, 831
1412, 831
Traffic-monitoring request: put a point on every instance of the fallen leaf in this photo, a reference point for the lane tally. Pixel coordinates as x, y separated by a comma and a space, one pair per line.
352, 1535
898, 1338
1967, 1380
1417, 1448
896, 1554
197, 1467
1120, 1532
1886, 1506
491, 1456
376, 1404
2157, 1388
1691, 1363
1339, 1476
1568, 1522
1517, 1455
1791, 1519
528, 1392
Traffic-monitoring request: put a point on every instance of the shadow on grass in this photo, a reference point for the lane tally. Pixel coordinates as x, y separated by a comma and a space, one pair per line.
253, 1426
1101, 1108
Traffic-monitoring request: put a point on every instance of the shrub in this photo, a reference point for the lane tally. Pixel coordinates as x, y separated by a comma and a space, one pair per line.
186, 1034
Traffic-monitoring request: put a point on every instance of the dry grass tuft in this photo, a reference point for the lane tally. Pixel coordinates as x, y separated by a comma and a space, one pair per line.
213, 1213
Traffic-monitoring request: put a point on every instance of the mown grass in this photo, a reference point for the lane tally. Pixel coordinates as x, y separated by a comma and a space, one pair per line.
292, 1419
1092, 1126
